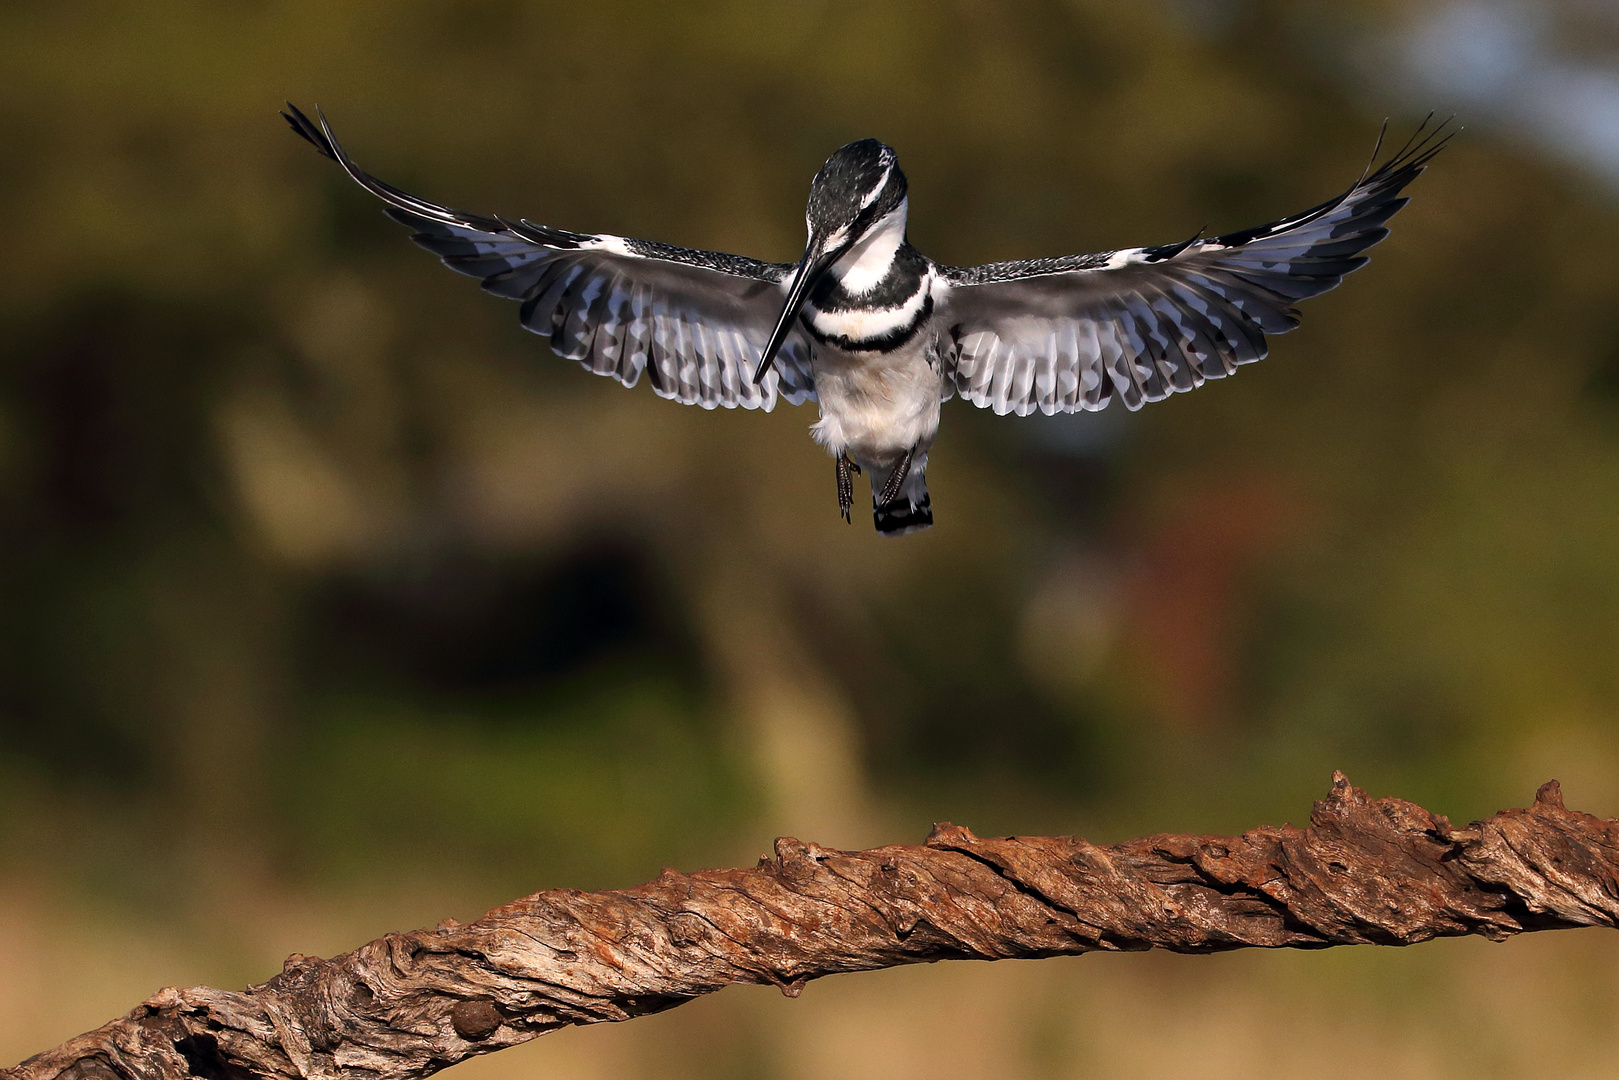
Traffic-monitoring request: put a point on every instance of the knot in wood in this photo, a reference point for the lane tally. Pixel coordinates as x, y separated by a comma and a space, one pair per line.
166, 998
945, 834
797, 861
686, 929
298, 969
475, 1020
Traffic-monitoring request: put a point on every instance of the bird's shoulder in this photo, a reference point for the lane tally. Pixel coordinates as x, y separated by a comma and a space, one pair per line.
1016, 269
720, 261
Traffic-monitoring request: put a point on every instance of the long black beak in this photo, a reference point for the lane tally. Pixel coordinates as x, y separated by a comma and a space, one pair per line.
817, 260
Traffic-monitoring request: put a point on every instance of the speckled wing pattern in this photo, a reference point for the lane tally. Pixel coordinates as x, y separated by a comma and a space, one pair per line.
1071, 333
694, 321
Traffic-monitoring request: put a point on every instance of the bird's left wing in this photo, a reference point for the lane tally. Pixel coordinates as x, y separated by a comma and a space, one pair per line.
694, 321
1065, 334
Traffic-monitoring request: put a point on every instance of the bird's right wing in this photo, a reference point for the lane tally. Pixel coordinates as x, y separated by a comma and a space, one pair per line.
1071, 333
694, 321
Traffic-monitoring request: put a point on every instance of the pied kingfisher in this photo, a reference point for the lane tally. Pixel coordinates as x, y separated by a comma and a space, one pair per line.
879, 334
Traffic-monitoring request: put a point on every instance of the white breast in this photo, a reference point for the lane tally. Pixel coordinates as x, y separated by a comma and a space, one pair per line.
857, 326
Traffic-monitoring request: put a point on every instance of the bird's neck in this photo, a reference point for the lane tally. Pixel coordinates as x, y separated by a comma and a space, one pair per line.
874, 298
870, 261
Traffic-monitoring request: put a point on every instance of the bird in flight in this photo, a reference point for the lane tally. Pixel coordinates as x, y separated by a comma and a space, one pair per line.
879, 335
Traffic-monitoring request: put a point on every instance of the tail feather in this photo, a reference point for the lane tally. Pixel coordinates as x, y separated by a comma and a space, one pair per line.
902, 516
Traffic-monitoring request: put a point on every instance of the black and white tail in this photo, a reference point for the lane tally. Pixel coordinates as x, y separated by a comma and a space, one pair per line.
910, 511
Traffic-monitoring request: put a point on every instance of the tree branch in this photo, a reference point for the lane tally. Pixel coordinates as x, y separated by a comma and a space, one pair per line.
1384, 872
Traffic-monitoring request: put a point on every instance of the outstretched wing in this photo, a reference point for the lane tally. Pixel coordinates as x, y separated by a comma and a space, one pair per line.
694, 321
1065, 334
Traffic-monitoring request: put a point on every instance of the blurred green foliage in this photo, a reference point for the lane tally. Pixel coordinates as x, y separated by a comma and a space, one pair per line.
318, 569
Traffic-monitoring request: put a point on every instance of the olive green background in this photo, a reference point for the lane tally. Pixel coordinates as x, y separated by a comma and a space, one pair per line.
331, 602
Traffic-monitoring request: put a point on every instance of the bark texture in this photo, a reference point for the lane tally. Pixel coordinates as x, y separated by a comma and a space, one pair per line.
1380, 872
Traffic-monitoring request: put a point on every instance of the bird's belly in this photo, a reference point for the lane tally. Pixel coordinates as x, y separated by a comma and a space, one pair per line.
875, 406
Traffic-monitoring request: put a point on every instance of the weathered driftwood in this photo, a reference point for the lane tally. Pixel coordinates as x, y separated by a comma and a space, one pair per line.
1384, 872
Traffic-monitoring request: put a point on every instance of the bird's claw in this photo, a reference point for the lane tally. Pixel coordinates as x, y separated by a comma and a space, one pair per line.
846, 473
896, 479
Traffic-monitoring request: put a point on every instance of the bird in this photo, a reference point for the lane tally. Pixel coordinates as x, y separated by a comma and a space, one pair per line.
879, 335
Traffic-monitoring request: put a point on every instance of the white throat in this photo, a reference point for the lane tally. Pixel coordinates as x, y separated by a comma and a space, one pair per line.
867, 263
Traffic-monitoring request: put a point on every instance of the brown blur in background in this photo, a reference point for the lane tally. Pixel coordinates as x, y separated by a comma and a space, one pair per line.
331, 602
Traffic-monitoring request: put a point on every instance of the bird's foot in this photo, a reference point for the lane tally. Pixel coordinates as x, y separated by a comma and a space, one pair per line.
846, 473
896, 479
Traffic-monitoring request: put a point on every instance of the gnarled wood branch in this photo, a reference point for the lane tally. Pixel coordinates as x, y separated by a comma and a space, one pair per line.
1384, 872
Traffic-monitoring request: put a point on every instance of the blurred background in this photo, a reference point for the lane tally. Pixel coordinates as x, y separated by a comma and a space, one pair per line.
331, 602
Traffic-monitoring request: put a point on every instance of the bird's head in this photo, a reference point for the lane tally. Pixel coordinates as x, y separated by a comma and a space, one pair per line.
858, 186
856, 192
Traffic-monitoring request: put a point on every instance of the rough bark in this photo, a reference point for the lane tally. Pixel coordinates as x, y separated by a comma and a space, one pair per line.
1383, 872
